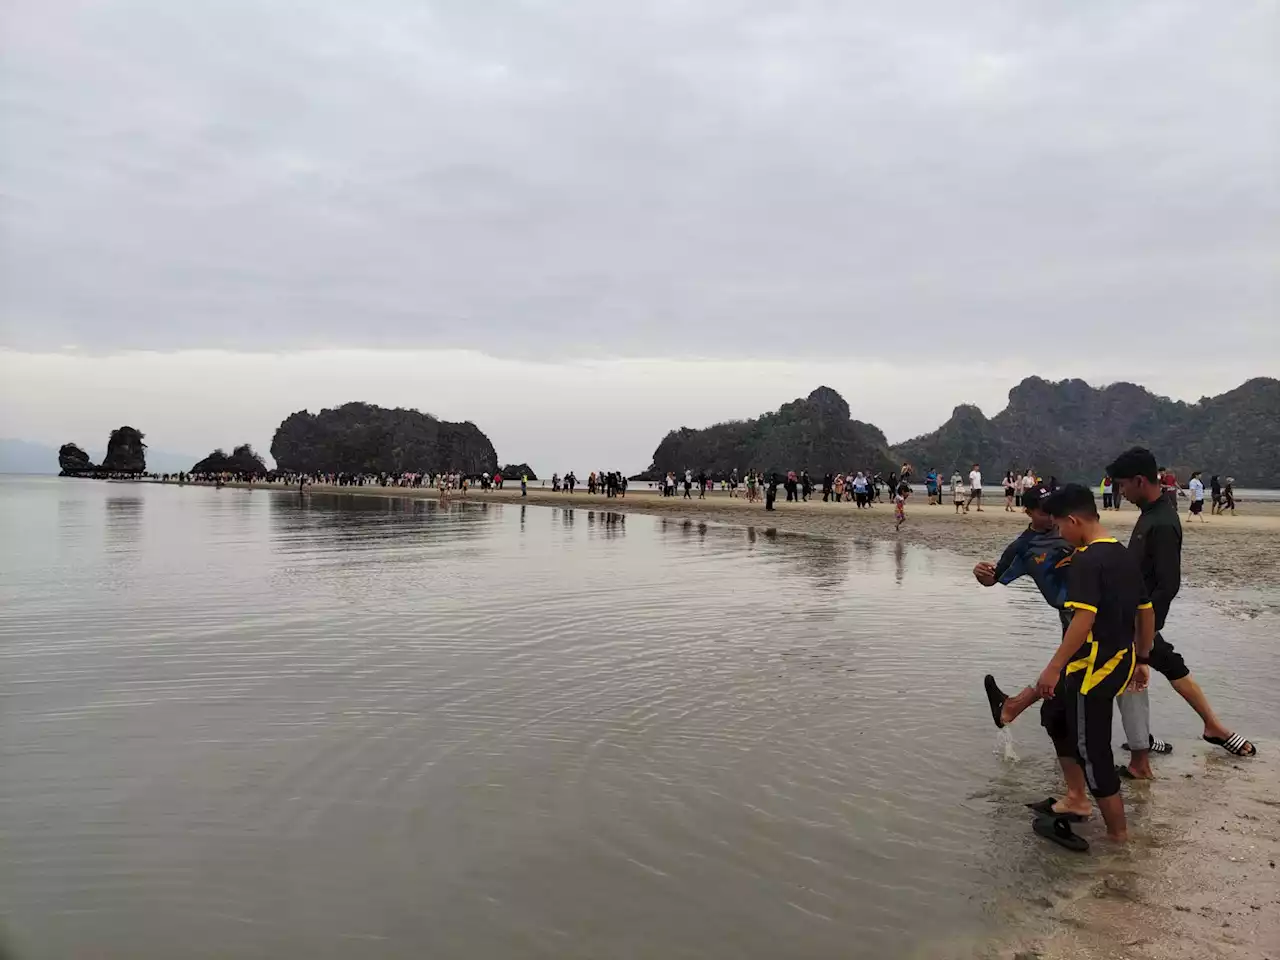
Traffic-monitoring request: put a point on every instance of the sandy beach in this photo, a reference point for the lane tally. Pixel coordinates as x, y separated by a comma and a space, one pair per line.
1200, 879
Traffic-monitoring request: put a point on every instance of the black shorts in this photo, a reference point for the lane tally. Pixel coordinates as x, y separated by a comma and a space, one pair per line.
1197, 506
1008, 491
1167, 661
1079, 722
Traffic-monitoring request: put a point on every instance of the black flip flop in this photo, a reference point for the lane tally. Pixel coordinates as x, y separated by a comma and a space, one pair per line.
1124, 773
1059, 831
996, 697
1234, 745
1045, 808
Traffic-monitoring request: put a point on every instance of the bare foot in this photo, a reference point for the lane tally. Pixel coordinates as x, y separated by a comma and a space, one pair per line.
1016, 704
1080, 806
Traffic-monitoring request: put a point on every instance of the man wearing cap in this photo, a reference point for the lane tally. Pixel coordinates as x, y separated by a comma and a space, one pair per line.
1157, 542
1040, 553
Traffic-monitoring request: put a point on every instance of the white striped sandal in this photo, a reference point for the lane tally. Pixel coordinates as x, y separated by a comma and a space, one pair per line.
1156, 746
1234, 744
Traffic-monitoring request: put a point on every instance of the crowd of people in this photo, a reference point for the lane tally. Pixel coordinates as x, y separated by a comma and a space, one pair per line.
1112, 603
863, 488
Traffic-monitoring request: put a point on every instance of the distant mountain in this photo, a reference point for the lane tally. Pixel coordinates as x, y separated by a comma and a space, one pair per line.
241, 460
1072, 430
24, 456
813, 433
514, 471
363, 438
126, 451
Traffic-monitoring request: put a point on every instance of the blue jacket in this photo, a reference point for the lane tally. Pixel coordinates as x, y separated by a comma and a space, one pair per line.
1043, 556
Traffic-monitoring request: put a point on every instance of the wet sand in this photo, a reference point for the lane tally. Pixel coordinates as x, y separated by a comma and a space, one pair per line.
1200, 878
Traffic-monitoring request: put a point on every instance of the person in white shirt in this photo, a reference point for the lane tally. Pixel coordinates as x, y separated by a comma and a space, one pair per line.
1196, 488
975, 488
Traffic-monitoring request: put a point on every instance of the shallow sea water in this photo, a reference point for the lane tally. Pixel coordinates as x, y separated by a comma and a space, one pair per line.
249, 724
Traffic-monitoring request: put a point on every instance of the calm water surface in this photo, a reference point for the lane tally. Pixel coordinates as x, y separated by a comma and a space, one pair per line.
239, 724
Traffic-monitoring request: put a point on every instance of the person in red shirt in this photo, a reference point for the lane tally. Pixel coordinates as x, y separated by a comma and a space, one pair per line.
1169, 486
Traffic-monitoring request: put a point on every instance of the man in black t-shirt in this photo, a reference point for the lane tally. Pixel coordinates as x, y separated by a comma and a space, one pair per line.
1156, 543
1112, 627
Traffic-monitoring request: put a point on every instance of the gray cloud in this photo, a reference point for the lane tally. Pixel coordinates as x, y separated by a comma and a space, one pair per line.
543, 179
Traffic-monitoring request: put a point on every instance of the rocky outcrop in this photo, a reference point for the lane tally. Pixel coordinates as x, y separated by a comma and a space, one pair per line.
814, 433
363, 438
242, 461
1072, 430
72, 461
126, 452
514, 471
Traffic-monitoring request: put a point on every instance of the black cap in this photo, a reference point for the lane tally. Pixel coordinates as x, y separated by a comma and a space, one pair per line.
1032, 498
1070, 499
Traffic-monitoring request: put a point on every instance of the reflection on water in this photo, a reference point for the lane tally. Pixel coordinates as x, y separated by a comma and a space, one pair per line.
344, 726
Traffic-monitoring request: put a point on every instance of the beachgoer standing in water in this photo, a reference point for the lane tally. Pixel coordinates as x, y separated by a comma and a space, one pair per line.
1111, 632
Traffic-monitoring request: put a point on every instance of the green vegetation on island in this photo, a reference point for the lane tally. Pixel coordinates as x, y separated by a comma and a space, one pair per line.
241, 461
360, 438
813, 433
1072, 430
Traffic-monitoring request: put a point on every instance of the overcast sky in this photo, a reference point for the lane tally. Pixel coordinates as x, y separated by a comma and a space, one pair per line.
628, 215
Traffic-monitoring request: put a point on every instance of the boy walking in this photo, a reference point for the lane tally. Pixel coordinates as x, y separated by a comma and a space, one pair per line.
1112, 628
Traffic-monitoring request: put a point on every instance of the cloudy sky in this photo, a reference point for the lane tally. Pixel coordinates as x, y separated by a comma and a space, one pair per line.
582, 223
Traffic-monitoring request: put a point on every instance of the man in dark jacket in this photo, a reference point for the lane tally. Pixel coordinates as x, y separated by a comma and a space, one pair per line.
1157, 543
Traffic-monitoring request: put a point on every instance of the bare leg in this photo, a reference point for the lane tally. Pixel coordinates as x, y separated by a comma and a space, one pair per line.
1016, 704
1112, 808
1140, 764
1191, 692
1077, 798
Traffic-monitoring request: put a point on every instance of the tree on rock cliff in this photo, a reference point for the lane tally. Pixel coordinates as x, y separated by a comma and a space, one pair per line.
812, 433
73, 460
242, 460
363, 438
126, 453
